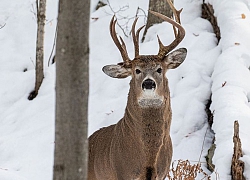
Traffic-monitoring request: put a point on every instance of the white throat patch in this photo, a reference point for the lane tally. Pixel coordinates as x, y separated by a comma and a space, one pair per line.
149, 98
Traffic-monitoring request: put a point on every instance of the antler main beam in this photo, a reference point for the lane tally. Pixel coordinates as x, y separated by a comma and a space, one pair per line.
121, 46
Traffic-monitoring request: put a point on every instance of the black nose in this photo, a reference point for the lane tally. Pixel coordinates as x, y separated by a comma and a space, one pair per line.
148, 84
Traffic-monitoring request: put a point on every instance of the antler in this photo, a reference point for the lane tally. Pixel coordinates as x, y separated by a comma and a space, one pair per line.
163, 50
136, 37
121, 46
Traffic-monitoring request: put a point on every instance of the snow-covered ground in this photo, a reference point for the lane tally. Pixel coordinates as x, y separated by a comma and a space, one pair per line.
220, 71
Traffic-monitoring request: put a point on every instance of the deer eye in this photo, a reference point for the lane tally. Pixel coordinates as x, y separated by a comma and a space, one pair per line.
159, 70
137, 71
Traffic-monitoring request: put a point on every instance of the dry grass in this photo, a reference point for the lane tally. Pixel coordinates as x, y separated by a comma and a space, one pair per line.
184, 170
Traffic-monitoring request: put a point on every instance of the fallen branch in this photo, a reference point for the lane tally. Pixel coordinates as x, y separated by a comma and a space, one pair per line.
208, 13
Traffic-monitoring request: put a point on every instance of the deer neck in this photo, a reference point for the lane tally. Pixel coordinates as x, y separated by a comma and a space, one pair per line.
149, 124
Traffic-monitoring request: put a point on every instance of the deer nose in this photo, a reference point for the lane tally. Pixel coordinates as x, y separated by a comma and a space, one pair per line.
148, 84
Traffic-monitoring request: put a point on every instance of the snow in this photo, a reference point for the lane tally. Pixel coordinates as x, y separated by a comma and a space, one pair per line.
210, 70
230, 87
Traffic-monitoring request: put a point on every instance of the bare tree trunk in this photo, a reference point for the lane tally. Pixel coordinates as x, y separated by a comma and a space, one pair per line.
160, 6
41, 14
72, 85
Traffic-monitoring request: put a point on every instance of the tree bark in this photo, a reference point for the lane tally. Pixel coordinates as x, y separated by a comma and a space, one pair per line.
160, 6
72, 85
237, 166
208, 13
41, 14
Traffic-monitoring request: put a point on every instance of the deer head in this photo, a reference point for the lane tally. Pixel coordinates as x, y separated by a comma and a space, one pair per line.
148, 83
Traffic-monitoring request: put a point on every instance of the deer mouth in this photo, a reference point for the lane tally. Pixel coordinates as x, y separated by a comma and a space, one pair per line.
149, 96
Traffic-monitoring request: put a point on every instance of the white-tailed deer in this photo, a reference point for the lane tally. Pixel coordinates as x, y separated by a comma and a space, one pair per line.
139, 146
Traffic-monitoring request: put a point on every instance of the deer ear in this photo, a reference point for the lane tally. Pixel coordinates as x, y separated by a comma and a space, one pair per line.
116, 71
175, 58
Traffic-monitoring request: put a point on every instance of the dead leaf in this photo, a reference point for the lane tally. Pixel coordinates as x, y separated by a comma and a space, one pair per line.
243, 16
95, 18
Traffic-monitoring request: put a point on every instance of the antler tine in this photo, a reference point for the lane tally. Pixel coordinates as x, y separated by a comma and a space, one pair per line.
121, 47
163, 50
176, 15
136, 37
175, 11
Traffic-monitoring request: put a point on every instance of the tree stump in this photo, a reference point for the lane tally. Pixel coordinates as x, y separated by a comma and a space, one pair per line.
237, 166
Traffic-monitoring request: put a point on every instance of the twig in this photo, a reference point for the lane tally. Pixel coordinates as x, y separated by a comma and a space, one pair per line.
48, 21
202, 147
33, 11
54, 44
145, 14
124, 27
32, 62
2, 26
123, 8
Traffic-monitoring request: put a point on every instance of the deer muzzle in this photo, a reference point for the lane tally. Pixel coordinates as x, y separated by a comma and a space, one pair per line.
148, 84
149, 96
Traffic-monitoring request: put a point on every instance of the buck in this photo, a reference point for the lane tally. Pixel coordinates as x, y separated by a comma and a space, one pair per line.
139, 146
